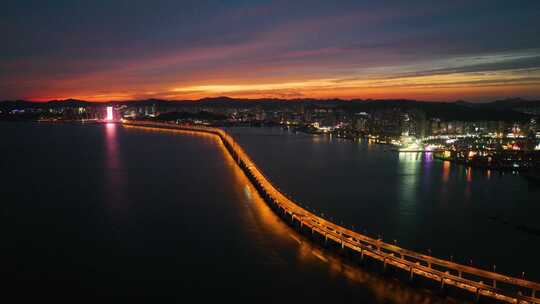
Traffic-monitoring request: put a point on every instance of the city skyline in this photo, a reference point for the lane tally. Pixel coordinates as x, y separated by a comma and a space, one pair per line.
183, 51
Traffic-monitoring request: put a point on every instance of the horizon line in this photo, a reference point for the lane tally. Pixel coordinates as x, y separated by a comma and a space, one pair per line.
266, 99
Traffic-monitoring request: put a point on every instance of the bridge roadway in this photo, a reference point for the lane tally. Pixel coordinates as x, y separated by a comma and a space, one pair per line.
477, 281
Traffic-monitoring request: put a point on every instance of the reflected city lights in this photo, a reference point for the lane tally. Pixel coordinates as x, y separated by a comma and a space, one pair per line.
446, 171
112, 146
113, 171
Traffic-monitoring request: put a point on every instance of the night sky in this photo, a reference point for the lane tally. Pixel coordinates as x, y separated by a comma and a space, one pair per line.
120, 50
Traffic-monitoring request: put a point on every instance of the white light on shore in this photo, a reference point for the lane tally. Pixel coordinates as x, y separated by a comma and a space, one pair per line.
109, 114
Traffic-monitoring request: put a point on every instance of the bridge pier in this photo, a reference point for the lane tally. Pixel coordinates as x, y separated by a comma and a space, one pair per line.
411, 274
362, 254
533, 294
494, 283
477, 299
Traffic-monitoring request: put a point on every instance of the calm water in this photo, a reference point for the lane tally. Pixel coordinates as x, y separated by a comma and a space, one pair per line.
102, 210
421, 203
109, 211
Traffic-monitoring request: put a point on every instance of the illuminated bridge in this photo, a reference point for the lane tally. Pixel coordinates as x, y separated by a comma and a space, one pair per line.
479, 282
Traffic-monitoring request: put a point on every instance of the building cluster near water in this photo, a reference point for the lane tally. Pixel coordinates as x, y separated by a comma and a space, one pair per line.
501, 135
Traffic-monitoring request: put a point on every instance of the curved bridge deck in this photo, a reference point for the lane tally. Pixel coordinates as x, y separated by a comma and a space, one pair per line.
474, 280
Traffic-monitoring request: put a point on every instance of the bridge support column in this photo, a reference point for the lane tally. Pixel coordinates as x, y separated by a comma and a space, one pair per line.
477, 295
459, 273
442, 282
411, 274
494, 283
325, 238
342, 244
533, 293
384, 264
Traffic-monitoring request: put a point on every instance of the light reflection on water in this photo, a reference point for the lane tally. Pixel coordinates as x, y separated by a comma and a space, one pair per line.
409, 166
112, 146
274, 237
446, 171
114, 179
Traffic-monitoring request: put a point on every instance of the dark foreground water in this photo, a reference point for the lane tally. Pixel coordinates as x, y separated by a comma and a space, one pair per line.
108, 211
101, 210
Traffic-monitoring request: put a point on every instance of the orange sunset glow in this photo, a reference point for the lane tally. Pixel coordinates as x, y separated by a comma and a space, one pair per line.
437, 52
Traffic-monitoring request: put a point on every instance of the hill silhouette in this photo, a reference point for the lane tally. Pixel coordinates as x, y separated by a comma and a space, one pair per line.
502, 110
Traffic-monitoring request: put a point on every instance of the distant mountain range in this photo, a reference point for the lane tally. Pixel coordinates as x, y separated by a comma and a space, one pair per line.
228, 101
508, 109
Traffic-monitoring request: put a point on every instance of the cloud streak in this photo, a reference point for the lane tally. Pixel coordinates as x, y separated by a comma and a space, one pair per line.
188, 49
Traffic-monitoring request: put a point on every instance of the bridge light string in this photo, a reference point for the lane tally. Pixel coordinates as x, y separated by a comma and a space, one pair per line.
294, 208
287, 196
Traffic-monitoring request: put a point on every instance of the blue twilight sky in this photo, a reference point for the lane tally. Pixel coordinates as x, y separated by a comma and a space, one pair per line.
428, 50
